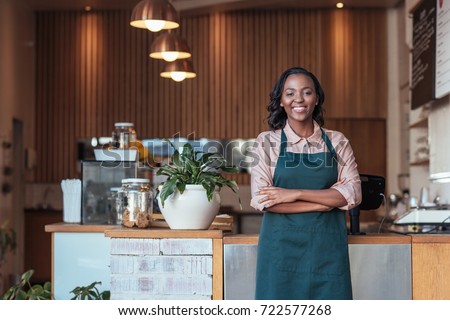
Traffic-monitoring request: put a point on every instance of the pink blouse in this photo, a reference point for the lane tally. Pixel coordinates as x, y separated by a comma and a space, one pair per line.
267, 147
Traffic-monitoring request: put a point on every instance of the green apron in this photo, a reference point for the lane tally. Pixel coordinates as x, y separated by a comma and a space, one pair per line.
304, 256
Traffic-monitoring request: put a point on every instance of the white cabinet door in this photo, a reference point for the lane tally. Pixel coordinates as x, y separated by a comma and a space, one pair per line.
80, 258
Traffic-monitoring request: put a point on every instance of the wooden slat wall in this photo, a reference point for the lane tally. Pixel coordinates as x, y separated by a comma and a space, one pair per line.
93, 70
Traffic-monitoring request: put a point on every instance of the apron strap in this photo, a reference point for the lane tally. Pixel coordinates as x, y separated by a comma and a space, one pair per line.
283, 143
329, 144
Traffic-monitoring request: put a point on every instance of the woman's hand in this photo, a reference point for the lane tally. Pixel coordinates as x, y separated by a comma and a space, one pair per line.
275, 195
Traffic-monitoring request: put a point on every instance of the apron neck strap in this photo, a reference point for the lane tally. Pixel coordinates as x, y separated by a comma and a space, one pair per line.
328, 143
283, 143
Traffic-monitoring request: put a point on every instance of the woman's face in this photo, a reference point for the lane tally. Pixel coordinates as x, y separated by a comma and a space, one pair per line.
299, 98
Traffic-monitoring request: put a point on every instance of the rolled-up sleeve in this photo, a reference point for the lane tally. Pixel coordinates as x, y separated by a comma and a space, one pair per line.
349, 182
261, 173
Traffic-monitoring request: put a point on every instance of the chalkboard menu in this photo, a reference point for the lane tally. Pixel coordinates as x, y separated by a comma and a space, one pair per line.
442, 48
424, 53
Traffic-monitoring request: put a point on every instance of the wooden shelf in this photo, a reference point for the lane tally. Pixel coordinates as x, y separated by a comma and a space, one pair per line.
422, 123
420, 163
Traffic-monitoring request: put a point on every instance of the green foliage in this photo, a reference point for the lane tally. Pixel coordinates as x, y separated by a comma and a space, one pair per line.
90, 292
7, 241
195, 167
25, 291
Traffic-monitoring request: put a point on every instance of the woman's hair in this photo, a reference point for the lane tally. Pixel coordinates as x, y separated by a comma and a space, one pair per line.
277, 115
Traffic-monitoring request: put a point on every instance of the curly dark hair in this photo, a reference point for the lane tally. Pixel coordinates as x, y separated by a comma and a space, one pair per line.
277, 115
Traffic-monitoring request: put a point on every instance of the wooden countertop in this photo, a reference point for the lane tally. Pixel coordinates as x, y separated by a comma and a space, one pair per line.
430, 238
116, 231
123, 232
383, 238
75, 227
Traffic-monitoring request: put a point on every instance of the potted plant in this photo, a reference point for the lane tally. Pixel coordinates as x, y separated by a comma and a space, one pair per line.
189, 198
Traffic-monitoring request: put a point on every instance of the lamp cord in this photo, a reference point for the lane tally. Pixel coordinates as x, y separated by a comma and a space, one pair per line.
385, 212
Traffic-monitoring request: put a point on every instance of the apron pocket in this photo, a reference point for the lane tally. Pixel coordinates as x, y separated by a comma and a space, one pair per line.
302, 250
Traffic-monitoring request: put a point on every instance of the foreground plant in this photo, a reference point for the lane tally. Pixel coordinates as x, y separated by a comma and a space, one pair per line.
25, 291
90, 292
7, 241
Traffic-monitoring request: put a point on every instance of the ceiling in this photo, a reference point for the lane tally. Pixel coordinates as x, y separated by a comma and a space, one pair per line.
200, 6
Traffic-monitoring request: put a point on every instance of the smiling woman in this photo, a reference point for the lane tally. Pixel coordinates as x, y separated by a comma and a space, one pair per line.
305, 179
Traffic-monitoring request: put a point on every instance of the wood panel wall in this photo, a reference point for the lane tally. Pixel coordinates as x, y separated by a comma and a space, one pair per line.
93, 70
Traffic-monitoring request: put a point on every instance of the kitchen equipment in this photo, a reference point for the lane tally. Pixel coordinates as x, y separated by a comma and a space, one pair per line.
424, 216
115, 154
372, 189
98, 177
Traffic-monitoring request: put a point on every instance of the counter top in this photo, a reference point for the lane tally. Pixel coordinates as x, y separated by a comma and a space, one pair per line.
383, 238
75, 227
123, 232
117, 231
430, 238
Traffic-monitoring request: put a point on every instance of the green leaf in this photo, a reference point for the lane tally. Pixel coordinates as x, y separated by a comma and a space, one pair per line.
90, 292
181, 186
168, 189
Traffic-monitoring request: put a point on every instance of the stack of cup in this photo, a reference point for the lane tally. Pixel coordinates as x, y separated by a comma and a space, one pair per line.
71, 200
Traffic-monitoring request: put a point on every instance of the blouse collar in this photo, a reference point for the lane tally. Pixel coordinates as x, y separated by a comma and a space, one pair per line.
294, 138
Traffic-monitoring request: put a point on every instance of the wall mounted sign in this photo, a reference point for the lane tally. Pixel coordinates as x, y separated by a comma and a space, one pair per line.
442, 48
424, 53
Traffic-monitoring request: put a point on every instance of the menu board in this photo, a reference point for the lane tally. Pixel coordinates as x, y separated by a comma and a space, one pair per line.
442, 48
424, 53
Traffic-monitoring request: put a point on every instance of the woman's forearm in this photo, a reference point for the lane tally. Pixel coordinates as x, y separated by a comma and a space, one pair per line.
298, 207
271, 196
328, 197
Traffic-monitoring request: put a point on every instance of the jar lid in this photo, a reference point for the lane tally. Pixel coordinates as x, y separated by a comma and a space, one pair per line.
123, 124
137, 180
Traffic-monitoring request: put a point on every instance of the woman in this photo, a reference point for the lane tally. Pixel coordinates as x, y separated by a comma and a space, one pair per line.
304, 178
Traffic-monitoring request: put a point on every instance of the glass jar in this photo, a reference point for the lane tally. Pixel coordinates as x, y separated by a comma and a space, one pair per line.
115, 212
124, 135
136, 202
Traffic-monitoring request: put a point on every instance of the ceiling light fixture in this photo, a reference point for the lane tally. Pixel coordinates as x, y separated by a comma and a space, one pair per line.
154, 15
339, 5
179, 70
170, 47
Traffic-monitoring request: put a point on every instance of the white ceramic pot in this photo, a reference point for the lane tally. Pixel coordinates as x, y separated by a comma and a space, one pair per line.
190, 210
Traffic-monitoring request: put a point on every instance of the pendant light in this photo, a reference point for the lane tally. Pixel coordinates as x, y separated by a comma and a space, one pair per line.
154, 15
179, 70
170, 47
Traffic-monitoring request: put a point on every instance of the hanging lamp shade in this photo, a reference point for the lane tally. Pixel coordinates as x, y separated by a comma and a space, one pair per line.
179, 70
170, 47
154, 15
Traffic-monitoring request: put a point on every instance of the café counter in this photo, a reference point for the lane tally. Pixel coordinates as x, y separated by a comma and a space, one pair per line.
159, 263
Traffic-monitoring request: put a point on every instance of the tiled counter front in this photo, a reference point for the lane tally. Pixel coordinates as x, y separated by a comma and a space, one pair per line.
165, 264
